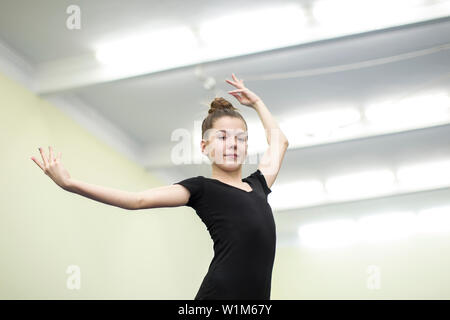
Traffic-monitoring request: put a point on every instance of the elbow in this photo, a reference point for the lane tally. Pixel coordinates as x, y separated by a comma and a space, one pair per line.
281, 144
137, 202
284, 140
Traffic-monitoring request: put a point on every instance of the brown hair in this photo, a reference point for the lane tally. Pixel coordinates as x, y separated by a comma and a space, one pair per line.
220, 107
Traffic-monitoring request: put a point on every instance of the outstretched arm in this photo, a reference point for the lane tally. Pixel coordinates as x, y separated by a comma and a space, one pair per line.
165, 196
158, 197
118, 198
270, 163
52, 167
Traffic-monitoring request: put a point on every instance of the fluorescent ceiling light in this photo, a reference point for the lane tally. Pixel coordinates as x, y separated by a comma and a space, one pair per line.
320, 124
426, 109
360, 185
386, 227
355, 16
296, 194
346, 122
157, 49
253, 30
257, 30
335, 233
424, 175
376, 228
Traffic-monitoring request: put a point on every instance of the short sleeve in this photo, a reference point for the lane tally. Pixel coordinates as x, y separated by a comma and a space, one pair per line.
195, 187
262, 180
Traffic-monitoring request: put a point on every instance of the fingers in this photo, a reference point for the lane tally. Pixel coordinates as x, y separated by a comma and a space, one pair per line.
44, 157
51, 158
38, 163
230, 82
237, 90
236, 79
237, 83
237, 96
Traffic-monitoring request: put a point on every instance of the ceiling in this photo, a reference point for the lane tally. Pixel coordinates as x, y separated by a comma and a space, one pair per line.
137, 114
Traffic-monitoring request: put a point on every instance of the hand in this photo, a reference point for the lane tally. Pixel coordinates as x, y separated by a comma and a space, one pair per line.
54, 168
248, 98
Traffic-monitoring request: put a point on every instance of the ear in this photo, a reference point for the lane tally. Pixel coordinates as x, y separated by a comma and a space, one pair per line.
203, 146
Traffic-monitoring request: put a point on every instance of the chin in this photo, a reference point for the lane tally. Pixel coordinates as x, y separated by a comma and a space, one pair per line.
229, 166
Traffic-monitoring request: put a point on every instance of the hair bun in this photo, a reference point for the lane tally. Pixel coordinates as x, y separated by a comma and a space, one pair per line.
220, 103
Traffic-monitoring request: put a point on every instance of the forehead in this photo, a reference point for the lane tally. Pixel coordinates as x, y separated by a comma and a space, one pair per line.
229, 125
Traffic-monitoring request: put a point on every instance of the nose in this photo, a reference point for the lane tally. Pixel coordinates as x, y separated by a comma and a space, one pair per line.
231, 141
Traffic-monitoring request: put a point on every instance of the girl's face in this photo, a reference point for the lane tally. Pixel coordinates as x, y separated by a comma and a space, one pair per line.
228, 137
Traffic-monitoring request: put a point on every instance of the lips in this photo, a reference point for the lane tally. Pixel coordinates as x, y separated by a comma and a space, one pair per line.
231, 155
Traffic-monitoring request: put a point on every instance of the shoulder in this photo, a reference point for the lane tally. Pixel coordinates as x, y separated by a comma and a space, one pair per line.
195, 187
197, 179
192, 183
258, 176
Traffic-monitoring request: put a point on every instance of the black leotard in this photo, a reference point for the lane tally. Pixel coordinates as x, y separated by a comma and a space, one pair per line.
242, 227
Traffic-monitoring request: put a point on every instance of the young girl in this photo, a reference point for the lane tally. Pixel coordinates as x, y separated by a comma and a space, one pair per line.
234, 210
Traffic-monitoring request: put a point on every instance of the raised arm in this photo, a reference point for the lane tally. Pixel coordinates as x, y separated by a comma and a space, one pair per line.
270, 163
272, 158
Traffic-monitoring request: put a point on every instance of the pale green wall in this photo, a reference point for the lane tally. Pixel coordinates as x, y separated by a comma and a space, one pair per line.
417, 268
159, 253
146, 254
413, 267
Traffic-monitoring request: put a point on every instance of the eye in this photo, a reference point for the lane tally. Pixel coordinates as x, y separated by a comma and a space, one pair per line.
222, 137
242, 139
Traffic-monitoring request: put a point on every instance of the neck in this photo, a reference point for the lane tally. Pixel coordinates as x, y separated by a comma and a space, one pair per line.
227, 176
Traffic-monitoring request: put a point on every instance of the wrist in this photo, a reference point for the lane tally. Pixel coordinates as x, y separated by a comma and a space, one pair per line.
257, 104
67, 184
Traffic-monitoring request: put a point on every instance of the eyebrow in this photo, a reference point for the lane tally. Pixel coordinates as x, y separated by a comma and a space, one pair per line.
240, 133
